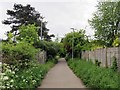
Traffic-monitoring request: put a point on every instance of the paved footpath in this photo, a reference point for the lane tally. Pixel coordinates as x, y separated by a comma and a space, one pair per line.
61, 76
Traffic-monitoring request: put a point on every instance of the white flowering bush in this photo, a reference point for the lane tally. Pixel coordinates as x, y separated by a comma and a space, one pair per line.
28, 78
31, 78
6, 77
20, 69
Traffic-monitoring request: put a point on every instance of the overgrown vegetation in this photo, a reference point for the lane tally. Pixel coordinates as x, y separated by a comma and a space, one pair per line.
93, 76
52, 48
106, 21
75, 42
114, 66
20, 69
19, 60
29, 78
18, 54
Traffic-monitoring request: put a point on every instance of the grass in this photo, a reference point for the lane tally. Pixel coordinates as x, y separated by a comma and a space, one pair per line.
94, 76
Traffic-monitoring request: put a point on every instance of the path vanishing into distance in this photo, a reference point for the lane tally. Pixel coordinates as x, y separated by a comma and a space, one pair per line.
61, 76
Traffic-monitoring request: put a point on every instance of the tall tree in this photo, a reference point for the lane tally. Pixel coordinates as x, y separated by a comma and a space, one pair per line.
75, 41
28, 34
105, 22
24, 15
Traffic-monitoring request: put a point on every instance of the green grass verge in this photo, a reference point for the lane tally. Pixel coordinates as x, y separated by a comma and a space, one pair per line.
94, 76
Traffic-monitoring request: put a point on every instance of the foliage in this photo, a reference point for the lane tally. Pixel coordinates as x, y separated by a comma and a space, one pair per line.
28, 34
96, 44
18, 53
93, 76
6, 76
20, 69
55, 60
52, 48
10, 36
116, 42
114, 64
28, 78
24, 15
77, 40
105, 22
67, 57
62, 50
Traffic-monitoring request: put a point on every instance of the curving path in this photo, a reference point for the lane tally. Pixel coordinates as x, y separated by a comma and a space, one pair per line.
61, 76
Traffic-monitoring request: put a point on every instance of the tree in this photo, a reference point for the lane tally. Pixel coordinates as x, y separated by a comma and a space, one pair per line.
52, 48
24, 15
28, 34
116, 42
105, 22
78, 39
57, 39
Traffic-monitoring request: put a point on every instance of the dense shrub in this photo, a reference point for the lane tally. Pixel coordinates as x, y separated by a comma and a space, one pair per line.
28, 33
56, 59
94, 76
20, 70
67, 57
52, 48
29, 78
62, 50
21, 52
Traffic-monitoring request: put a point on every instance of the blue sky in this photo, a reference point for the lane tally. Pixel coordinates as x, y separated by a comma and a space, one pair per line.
60, 14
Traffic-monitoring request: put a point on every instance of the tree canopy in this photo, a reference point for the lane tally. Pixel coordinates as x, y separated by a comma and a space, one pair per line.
105, 21
78, 39
24, 15
28, 34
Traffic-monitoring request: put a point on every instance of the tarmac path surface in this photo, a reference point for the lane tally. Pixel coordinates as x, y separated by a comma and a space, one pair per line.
61, 76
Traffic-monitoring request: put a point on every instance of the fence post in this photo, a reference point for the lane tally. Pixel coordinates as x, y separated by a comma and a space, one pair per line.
104, 56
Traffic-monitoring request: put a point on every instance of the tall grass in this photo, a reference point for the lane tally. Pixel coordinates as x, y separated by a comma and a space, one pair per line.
94, 76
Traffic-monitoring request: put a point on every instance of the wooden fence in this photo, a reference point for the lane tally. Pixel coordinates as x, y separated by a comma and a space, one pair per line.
105, 56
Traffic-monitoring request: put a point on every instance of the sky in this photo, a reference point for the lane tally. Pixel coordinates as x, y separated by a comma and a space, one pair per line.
60, 14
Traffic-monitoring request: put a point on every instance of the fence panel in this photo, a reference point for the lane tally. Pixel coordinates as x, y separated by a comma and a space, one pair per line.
105, 56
